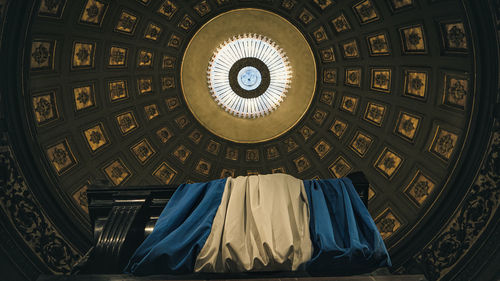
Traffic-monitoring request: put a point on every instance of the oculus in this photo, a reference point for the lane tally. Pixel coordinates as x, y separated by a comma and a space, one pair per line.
249, 76
270, 118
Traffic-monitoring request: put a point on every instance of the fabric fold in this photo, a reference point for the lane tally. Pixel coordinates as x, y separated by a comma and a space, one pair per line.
180, 232
262, 225
345, 238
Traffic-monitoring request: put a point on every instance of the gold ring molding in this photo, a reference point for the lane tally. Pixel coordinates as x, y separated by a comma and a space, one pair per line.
201, 49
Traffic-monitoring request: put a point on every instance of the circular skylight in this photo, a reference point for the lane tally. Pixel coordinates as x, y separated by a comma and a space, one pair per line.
249, 76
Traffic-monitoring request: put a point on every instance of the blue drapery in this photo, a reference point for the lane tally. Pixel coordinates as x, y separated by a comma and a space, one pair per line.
180, 232
343, 234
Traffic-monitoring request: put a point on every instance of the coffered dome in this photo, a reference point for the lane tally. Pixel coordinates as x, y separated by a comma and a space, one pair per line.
145, 92
120, 92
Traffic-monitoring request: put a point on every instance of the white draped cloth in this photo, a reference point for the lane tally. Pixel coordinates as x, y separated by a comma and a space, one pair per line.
262, 223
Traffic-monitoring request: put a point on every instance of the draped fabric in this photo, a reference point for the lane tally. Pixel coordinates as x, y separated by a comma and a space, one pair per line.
345, 238
180, 232
263, 223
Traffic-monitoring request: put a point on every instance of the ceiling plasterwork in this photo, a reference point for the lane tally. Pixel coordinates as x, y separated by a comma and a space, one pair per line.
119, 91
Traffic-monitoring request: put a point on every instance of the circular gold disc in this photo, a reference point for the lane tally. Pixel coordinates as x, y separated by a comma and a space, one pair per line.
201, 49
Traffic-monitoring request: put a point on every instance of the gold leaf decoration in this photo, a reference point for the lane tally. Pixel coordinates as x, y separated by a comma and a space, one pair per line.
320, 35
117, 172
306, 132
42, 54
353, 77
227, 173
327, 97
456, 90
327, 55
252, 155
143, 151
381, 79
341, 24
93, 12
51, 9
444, 143
416, 84
145, 85
202, 8
118, 90
338, 128
330, 75
213, 147
420, 188
306, 17
83, 55
126, 23
145, 58
366, 11
45, 107
165, 174
164, 134
361, 143
195, 136
375, 113
388, 163
340, 167
413, 39
302, 164
272, 153
349, 104
182, 153
322, 148
378, 44
203, 167
61, 157
407, 125
168, 9
350, 49
80, 197
387, 223
232, 153
153, 31
84, 97
117, 57
96, 137
126, 122
151, 111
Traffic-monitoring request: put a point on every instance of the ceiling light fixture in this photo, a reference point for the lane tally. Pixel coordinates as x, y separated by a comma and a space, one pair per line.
249, 75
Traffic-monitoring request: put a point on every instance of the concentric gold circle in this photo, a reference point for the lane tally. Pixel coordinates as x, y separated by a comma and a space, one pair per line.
201, 49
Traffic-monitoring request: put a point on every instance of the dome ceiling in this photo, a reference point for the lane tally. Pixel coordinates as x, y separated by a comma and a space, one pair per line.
394, 98
292, 94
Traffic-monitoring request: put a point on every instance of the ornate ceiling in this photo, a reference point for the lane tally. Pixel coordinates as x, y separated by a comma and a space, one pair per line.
106, 102
396, 97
